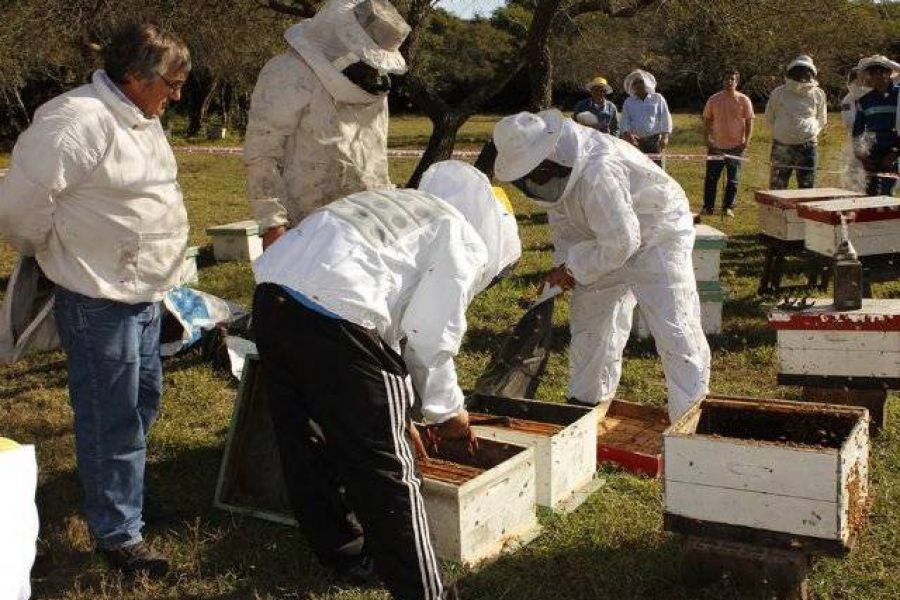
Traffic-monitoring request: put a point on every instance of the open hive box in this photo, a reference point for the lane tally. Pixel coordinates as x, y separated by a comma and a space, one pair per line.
563, 436
477, 504
792, 468
873, 224
630, 436
778, 216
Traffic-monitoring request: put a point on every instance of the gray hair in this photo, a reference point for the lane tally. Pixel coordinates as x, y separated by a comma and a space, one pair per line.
144, 51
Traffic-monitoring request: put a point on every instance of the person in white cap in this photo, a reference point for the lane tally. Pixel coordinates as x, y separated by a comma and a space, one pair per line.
623, 233
797, 112
317, 128
336, 297
596, 110
876, 124
646, 121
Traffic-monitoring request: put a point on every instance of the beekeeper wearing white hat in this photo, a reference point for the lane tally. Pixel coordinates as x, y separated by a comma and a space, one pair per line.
336, 296
318, 121
18, 519
646, 120
622, 233
876, 125
596, 110
797, 112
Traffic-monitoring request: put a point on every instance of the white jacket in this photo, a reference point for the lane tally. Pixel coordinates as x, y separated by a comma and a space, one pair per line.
403, 262
313, 135
92, 193
617, 205
796, 112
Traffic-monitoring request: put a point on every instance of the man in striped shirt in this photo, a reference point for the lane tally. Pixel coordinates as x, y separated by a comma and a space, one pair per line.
875, 139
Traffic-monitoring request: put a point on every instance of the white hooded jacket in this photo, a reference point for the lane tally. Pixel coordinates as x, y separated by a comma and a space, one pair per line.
797, 112
616, 205
405, 263
92, 193
313, 135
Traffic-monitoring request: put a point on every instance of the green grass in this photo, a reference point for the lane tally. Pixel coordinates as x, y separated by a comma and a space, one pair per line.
612, 547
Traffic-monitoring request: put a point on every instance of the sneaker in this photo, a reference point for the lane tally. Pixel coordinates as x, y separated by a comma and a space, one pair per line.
135, 558
708, 210
728, 212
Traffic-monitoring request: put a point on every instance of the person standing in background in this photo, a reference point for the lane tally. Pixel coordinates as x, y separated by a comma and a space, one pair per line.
797, 112
728, 117
604, 112
875, 127
646, 121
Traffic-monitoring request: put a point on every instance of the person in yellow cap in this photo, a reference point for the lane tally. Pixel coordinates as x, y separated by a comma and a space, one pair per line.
597, 111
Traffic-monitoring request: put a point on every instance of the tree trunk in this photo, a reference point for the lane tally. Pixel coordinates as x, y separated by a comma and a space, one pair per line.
440, 144
197, 114
540, 75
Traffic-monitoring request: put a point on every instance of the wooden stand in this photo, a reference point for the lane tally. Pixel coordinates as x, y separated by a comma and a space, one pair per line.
817, 267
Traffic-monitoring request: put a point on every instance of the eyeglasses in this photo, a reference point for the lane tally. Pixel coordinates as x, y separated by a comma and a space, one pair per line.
174, 86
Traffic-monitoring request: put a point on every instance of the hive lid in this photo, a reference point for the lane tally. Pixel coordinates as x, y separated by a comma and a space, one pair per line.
786, 199
708, 238
875, 315
858, 210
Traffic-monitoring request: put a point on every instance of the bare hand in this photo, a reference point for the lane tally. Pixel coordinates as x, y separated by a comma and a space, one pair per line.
270, 235
630, 138
560, 276
454, 428
418, 446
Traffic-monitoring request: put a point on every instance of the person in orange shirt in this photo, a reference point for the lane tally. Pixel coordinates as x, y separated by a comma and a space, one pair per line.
728, 117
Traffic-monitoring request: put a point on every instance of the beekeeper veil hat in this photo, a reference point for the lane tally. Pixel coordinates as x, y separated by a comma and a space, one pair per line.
648, 79
348, 31
468, 190
524, 141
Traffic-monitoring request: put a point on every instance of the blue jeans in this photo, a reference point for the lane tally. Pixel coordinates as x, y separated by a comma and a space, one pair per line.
714, 169
800, 159
115, 387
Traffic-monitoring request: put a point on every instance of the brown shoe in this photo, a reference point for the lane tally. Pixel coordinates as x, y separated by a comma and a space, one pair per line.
135, 558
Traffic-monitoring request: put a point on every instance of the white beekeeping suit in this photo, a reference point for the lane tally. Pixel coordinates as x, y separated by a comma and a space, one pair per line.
18, 519
624, 230
314, 135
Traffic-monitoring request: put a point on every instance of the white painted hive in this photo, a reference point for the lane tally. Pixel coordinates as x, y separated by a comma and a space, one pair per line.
821, 342
873, 223
778, 216
789, 467
237, 241
475, 514
708, 245
564, 439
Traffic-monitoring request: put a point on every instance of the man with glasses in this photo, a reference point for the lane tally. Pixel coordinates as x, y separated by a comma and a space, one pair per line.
92, 193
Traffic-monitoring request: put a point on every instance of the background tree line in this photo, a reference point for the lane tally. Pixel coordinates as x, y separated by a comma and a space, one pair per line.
526, 55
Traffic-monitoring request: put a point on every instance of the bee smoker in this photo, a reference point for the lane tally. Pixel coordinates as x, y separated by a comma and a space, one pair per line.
847, 273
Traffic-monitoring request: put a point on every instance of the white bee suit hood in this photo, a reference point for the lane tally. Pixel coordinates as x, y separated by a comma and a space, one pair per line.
468, 190
313, 135
649, 81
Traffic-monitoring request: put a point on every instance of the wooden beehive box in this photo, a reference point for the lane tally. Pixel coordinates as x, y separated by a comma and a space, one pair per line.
236, 241
778, 216
712, 297
772, 465
630, 436
708, 245
873, 223
818, 345
479, 505
563, 436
